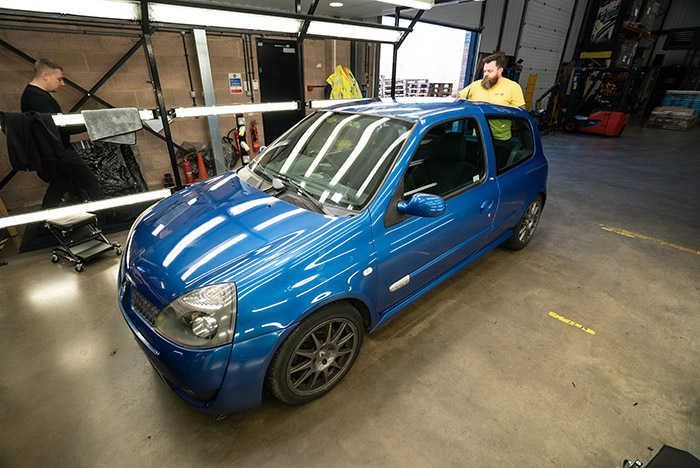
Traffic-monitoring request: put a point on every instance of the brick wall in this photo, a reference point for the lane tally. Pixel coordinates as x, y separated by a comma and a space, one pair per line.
86, 58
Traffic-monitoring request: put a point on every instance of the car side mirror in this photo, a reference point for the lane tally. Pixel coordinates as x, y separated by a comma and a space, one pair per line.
422, 204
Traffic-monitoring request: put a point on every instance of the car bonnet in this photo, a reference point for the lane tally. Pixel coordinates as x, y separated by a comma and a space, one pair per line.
212, 230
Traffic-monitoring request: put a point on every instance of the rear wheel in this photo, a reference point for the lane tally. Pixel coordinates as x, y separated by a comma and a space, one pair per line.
571, 125
316, 355
525, 229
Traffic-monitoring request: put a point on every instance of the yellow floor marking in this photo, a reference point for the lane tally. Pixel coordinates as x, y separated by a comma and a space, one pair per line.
622, 232
572, 323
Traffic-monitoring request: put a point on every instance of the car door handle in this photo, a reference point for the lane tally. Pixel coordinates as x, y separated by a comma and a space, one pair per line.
486, 206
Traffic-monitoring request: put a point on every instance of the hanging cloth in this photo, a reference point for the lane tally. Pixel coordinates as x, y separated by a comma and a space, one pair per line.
343, 84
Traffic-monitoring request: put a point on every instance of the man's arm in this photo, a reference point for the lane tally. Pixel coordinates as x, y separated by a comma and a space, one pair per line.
463, 94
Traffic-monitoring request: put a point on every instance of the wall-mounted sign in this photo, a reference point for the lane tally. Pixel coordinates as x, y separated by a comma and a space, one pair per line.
235, 83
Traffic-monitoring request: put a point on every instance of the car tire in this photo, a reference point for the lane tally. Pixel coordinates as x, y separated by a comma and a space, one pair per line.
525, 229
316, 356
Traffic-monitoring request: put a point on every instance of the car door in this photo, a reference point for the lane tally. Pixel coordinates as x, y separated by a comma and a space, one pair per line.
513, 151
449, 162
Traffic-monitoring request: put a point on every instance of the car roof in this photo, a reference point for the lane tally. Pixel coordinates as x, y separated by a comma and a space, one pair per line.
423, 110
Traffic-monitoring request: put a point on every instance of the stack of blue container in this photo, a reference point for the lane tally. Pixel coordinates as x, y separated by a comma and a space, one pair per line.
687, 99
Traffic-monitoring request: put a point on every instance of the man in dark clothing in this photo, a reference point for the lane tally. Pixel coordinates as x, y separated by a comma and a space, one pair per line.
48, 78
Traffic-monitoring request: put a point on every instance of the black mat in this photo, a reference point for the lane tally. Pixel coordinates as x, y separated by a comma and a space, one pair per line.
669, 457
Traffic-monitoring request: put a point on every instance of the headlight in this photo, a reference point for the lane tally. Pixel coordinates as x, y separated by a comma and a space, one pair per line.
203, 318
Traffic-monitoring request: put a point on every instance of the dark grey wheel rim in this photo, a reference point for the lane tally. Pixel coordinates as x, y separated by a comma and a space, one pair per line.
529, 223
322, 357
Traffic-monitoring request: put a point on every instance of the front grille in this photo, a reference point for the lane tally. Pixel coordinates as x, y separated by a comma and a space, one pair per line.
143, 306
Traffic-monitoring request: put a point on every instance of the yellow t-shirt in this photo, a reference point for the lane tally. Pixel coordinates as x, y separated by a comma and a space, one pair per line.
505, 93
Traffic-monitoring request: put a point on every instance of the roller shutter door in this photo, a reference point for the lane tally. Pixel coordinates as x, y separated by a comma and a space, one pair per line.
542, 39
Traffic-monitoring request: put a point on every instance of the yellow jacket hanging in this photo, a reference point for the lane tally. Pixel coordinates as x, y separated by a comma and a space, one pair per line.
344, 85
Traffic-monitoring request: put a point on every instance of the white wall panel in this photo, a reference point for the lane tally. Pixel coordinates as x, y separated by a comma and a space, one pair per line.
544, 30
575, 30
511, 27
492, 23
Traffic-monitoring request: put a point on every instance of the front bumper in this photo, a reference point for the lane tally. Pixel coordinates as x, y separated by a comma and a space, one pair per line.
219, 380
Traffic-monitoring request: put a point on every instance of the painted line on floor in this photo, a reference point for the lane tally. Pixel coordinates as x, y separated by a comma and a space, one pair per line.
571, 322
622, 232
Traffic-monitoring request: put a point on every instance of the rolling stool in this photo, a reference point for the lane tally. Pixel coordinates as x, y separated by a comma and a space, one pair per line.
80, 239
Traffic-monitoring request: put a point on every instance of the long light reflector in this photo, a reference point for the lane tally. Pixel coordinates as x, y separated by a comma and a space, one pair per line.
64, 120
162, 13
82, 208
113, 9
351, 31
321, 103
419, 4
235, 109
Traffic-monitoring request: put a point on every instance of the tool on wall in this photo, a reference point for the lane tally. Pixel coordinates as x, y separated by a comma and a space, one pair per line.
243, 148
254, 136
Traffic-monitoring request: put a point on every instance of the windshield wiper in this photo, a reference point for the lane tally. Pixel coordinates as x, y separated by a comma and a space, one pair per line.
301, 190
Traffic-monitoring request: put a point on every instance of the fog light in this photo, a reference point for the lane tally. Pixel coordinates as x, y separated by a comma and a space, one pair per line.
204, 326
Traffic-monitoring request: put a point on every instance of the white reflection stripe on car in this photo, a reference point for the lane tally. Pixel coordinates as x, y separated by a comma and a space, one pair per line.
191, 237
364, 139
302, 141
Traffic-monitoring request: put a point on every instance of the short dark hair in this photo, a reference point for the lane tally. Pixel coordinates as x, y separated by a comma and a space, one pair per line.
45, 65
500, 60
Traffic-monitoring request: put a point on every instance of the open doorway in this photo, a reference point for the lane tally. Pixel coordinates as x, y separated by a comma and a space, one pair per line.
434, 60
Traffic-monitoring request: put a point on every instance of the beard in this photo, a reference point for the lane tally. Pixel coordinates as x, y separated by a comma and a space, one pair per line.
486, 83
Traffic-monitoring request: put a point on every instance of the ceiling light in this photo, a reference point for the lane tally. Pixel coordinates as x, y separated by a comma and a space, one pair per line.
162, 13
335, 4
320, 104
419, 4
113, 9
235, 109
64, 120
350, 31
83, 208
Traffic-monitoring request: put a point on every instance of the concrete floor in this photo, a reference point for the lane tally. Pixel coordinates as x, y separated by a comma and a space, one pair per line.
477, 374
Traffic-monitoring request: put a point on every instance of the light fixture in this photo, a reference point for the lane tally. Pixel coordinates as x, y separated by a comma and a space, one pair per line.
418, 4
162, 13
335, 4
321, 103
64, 120
351, 31
82, 208
113, 9
235, 109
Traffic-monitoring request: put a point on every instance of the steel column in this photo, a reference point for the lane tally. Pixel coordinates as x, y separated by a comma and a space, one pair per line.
202, 49
153, 70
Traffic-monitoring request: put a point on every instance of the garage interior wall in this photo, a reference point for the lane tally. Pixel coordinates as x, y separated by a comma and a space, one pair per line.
86, 58
681, 14
535, 31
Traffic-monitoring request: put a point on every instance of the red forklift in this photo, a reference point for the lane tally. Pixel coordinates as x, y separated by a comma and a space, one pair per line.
600, 100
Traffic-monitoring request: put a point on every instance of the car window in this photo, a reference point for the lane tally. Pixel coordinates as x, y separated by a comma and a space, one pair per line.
338, 158
513, 141
449, 158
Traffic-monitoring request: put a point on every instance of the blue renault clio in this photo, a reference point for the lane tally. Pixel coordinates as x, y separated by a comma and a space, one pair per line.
270, 275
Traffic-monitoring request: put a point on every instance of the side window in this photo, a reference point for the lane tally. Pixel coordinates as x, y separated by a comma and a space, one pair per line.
512, 141
449, 158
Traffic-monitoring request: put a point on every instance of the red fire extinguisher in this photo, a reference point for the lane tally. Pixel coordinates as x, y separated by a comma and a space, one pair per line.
254, 136
187, 168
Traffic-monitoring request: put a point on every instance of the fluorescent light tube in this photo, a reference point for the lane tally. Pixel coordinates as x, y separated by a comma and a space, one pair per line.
321, 103
64, 120
235, 109
350, 31
82, 208
162, 13
419, 4
114, 9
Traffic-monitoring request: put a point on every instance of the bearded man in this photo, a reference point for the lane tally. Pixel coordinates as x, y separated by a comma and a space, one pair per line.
494, 88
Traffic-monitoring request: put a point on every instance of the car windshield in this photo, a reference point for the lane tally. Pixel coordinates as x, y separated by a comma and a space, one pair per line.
338, 158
